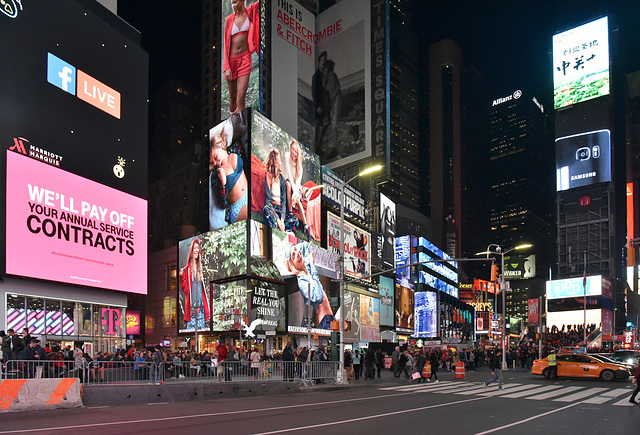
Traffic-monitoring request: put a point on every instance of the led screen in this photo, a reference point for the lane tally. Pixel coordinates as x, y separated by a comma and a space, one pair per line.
583, 159
386, 301
574, 287
75, 91
403, 257
426, 314
369, 318
285, 176
267, 307
404, 309
519, 266
62, 227
387, 231
581, 63
357, 247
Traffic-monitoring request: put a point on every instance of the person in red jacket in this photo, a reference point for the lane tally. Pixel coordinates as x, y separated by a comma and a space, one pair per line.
194, 286
241, 38
637, 390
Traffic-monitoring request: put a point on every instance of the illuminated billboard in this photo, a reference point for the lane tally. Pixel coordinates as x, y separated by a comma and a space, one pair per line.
357, 247
228, 171
404, 309
583, 159
369, 318
574, 287
211, 256
386, 246
519, 266
62, 227
284, 179
240, 49
403, 257
354, 205
581, 63
75, 91
440, 276
327, 59
426, 315
386, 301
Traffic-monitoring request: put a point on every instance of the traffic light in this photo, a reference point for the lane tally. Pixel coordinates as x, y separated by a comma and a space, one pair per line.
494, 273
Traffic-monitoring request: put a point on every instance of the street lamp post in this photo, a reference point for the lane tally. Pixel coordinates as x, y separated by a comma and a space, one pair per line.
342, 374
503, 288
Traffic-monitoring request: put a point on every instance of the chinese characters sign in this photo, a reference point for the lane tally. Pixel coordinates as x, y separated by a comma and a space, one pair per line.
581, 63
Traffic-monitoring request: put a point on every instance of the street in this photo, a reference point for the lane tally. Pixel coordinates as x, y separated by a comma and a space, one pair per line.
386, 405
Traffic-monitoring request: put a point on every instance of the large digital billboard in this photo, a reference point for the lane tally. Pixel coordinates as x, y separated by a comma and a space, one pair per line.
426, 315
583, 159
387, 243
240, 49
386, 301
62, 227
285, 176
519, 266
328, 59
228, 170
574, 287
357, 247
369, 318
354, 205
75, 91
441, 276
403, 257
404, 309
581, 63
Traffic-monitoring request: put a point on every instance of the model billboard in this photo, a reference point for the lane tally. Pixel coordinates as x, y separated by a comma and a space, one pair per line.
581, 63
240, 49
386, 246
352, 314
75, 91
327, 56
357, 249
284, 180
404, 309
426, 315
212, 256
386, 301
62, 227
583, 159
228, 171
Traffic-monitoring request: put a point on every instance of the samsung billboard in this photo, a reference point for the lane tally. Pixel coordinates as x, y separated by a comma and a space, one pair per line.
583, 159
581, 63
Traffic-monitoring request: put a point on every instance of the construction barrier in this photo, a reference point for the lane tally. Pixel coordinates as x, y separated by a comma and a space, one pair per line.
39, 394
459, 370
426, 371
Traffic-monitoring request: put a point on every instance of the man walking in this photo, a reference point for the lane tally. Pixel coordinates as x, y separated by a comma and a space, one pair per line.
495, 364
395, 355
636, 381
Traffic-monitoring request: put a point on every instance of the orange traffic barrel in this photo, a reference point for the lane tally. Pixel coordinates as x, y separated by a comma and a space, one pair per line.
459, 370
426, 371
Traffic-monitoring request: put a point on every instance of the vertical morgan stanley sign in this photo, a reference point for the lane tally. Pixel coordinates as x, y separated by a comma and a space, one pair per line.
62, 227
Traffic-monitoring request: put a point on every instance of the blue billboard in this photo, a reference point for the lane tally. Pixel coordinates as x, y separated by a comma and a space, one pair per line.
426, 315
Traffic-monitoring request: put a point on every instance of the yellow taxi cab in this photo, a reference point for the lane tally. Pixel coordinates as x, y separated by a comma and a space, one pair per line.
573, 365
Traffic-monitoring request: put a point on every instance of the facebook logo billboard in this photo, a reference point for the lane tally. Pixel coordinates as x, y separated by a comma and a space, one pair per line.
61, 74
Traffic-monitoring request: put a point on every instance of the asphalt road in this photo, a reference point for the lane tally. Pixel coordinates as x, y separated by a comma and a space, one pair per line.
529, 404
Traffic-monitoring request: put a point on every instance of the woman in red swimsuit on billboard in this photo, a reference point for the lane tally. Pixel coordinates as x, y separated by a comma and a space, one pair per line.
241, 38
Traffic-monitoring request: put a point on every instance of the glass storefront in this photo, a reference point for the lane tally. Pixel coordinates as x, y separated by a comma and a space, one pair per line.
95, 327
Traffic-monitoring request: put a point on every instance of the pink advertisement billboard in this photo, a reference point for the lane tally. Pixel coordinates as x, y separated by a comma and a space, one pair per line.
62, 227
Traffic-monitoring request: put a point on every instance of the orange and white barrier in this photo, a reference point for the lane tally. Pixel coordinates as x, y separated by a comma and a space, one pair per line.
459, 370
39, 394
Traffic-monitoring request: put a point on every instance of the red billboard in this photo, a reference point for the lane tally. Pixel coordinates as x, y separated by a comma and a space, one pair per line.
534, 312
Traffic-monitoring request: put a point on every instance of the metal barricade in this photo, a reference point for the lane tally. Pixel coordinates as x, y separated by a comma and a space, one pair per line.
36, 369
127, 372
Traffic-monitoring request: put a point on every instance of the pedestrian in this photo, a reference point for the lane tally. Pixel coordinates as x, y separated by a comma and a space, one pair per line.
369, 362
421, 361
254, 357
402, 365
288, 359
156, 366
395, 355
636, 381
495, 364
357, 364
553, 365
348, 361
433, 360
379, 361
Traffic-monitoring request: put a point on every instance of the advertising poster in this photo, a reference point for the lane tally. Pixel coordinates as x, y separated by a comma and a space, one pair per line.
404, 309
133, 322
228, 171
387, 230
352, 314
583, 159
267, 305
328, 57
519, 266
240, 53
534, 312
581, 63
402, 257
439, 276
308, 271
357, 247
574, 287
386, 301
208, 257
354, 205
62, 227
229, 306
369, 318
426, 315
284, 180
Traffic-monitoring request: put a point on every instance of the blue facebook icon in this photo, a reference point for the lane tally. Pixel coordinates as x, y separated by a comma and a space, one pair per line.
61, 74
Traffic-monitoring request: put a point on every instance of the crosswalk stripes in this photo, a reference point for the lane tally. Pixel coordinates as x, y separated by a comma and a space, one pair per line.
555, 392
